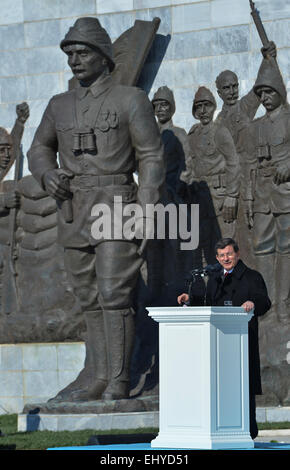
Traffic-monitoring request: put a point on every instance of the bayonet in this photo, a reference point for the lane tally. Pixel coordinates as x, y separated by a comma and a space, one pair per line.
259, 25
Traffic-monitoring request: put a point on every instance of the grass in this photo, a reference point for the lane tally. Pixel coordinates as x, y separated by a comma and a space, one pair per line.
273, 426
41, 440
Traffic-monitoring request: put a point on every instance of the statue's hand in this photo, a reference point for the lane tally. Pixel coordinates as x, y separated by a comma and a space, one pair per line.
230, 207
22, 111
11, 200
249, 213
54, 185
282, 174
269, 50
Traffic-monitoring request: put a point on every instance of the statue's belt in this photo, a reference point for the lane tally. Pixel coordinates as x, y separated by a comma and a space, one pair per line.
266, 171
90, 181
215, 181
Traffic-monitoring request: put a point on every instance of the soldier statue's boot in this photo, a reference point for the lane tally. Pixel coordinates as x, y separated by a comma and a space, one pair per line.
120, 334
282, 304
77, 390
81, 388
97, 341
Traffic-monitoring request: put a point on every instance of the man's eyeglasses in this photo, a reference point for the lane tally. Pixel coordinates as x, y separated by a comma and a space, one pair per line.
226, 255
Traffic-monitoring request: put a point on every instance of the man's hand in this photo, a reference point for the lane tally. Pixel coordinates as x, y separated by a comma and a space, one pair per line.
248, 306
22, 111
249, 213
230, 207
282, 174
269, 50
11, 200
181, 299
55, 186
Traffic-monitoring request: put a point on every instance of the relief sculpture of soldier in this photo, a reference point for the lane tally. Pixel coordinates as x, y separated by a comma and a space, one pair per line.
9, 146
171, 264
102, 132
174, 139
212, 175
236, 114
271, 186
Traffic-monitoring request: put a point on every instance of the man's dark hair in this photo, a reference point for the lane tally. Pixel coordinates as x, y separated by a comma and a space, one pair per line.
223, 242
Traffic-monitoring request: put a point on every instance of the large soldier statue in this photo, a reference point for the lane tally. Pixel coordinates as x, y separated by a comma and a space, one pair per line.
102, 132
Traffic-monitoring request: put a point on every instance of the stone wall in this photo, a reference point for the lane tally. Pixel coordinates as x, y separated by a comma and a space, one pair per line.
31, 373
204, 37
199, 39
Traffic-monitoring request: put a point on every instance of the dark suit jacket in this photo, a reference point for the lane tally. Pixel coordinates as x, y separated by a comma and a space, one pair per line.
241, 285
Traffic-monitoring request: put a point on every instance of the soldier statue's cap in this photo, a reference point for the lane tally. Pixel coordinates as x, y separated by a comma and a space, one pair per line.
5, 138
164, 93
203, 94
89, 31
270, 75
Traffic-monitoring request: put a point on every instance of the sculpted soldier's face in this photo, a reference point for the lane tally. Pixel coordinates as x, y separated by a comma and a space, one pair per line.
5, 151
86, 63
162, 109
228, 89
204, 111
228, 257
269, 98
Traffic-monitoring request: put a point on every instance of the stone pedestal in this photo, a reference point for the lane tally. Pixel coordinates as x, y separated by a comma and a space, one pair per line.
204, 385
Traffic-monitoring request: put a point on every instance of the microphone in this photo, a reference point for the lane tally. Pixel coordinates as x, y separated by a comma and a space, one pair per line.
207, 271
212, 268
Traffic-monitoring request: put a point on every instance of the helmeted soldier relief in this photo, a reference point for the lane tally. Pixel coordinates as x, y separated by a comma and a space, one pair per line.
212, 171
102, 131
271, 185
174, 139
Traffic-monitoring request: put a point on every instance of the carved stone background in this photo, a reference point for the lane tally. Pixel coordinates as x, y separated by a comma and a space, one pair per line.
195, 41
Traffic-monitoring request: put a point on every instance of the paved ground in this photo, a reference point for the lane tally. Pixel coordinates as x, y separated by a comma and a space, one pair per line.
282, 436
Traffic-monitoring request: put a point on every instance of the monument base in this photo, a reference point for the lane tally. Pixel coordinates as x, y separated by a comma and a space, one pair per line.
93, 421
133, 413
130, 405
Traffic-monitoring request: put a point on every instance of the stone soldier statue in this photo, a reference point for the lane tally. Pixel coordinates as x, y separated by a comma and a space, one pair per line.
212, 170
9, 146
102, 132
174, 140
236, 114
271, 186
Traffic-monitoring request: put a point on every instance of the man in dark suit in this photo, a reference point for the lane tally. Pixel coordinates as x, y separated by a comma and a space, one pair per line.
238, 285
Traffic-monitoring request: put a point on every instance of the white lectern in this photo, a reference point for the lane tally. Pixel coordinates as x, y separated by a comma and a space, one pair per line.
204, 384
